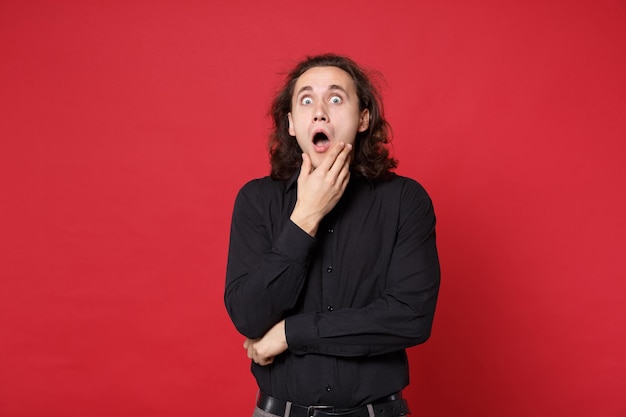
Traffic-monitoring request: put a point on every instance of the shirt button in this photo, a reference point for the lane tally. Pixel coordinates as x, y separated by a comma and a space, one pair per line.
330, 308
328, 388
329, 269
331, 230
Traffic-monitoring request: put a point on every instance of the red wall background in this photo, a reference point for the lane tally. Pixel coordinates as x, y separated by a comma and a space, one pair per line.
127, 127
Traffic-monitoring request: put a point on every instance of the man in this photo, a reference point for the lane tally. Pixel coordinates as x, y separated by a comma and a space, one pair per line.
332, 267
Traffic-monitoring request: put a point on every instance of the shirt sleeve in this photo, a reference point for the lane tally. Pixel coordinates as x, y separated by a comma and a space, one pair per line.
266, 269
403, 315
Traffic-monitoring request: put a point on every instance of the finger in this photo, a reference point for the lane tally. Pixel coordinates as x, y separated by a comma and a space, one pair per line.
344, 174
342, 161
250, 349
264, 361
333, 153
343, 178
306, 165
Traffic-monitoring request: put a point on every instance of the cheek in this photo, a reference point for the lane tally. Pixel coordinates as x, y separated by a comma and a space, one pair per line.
300, 143
297, 123
350, 127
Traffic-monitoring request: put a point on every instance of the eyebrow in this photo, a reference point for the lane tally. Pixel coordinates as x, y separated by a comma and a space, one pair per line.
330, 88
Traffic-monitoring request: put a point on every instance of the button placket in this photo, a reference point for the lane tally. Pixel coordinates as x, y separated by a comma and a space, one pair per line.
330, 275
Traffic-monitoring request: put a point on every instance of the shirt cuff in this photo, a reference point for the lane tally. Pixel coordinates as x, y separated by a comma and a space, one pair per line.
300, 332
294, 243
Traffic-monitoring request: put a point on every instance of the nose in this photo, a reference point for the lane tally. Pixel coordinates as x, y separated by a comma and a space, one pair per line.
320, 114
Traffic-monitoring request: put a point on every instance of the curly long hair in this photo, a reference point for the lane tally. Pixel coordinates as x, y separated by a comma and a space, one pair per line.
371, 157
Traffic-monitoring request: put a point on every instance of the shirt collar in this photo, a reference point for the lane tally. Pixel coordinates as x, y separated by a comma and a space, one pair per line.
291, 182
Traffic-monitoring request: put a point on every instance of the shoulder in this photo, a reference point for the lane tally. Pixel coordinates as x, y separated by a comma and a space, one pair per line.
415, 209
259, 191
404, 187
261, 186
408, 198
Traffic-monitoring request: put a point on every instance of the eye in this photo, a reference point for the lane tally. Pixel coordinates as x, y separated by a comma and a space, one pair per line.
306, 101
336, 100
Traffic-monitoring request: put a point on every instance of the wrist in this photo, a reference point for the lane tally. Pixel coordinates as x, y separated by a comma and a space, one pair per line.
308, 223
310, 227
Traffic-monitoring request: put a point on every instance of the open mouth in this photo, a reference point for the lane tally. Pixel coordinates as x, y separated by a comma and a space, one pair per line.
320, 139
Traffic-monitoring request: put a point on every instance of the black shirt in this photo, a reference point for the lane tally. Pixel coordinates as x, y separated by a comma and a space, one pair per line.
354, 297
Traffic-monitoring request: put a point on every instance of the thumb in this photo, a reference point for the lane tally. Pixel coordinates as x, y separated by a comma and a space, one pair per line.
306, 164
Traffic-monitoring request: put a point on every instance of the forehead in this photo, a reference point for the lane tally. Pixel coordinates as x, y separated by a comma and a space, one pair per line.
321, 78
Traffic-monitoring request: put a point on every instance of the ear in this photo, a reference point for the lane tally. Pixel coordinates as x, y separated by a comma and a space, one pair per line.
292, 131
364, 120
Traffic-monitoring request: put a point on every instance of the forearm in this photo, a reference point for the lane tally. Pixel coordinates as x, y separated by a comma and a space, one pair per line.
263, 350
386, 325
260, 286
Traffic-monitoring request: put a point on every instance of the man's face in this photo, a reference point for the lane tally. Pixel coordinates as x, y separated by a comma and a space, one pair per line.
325, 111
